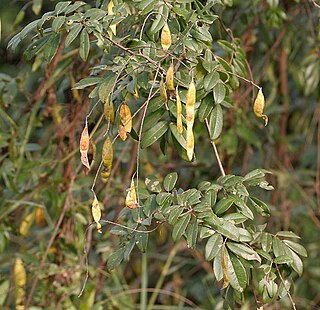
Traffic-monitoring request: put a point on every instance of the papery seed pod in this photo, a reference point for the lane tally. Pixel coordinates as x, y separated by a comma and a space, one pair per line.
125, 117
108, 110
136, 92
163, 91
170, 78
26, 224
190, 104
107, 154
105, 174
110, 12
190, 143
122, 133
92, 152
40, 218
258, 106
179, 112
224, 265
20, 280
165, 37
96, 213
131, 198
84, 146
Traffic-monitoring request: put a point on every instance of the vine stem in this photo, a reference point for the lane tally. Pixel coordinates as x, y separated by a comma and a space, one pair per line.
144, 282
215, 150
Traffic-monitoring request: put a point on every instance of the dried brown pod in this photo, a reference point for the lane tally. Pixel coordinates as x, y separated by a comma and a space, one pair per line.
122, 133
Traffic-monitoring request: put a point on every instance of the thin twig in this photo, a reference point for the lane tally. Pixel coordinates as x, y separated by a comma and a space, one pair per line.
215, 150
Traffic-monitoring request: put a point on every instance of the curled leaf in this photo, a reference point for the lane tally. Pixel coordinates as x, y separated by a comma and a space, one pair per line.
96, 213
126, 117
131, 198
170, 78
165, 37
163, 91
179, 112
84, 146
258, 106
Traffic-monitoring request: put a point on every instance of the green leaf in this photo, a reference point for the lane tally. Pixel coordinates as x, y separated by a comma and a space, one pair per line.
106, 87
206, 107
35, 47
153, 134
74, 32
278, 247
192, 233
242, 207
153, 183
116, 258
61, 7
217, 267
297, 264
244, 251
36, 6
211, 80
283, 259
129, 248
51, 47
170, 181
236, 272
298, 248
223, 205
4, 289
142, 239
180, 227
84, 48
179, 137
213, 246
174, 213
219, 92
73, 7
228, 230
216, 122
287, 234
261, 207
266, 242
89, 81
255, 174
57, 23
153, 118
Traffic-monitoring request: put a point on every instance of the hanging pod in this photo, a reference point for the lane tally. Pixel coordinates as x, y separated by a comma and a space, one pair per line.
190, 105
96, 213
84, 146
165, 37
131, 198
20, 280
108, 109
179, 112
163, 91
190, 143
258, 107
107, 158
122, 133
170, 78
125, 117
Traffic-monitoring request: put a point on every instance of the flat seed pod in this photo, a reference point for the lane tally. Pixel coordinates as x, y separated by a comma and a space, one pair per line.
108, 111
170, 78
107, 154
131, 199
190, 104
84, 146
20, 280
224, 264
96, 213
110, 12
163, 91
179, 112
258, 107
165, 37
105, 174
190, 143
126, 117
122, 133
26, 224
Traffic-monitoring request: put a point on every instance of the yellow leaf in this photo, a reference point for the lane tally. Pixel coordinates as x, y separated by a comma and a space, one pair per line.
165, 37
258, 106
125, 117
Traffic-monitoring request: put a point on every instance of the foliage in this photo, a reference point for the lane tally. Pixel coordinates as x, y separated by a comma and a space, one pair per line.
108, 67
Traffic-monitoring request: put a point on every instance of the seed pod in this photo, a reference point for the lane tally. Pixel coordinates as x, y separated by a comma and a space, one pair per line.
163, 91
190, 142
190, 104
179, 112
165, 37
108, 110
20, 280
126, 117
105, 174
26, 224
258, 106
96, 213
107, 154
131, 199
40, 218
84, 146
170, 77
122, 133
224, 265
110, 12
136, 93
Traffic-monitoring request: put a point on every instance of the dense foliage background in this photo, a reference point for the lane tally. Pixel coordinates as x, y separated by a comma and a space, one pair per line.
45, 193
